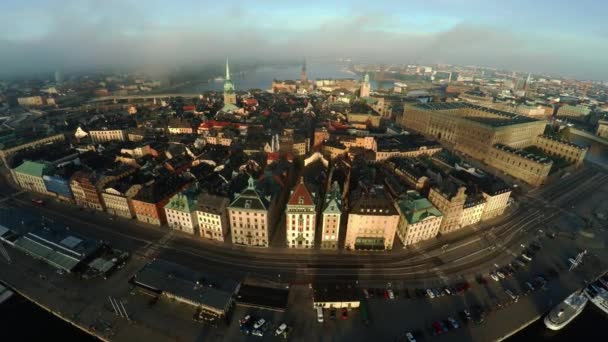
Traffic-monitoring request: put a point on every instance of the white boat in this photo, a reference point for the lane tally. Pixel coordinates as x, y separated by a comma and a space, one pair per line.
219, 79
598, 295
5, 294
566, 311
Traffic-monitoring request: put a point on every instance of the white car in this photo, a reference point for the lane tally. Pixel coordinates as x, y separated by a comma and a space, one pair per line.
281, 329
391, 295
258, 332
410, 337
260, 322
493, 276
526, 256
500, 274
430, 293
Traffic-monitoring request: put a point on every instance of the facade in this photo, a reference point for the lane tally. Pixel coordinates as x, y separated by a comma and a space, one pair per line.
29, 175
419, 219
573, 111
331, 218
105, 135
373, 119
58, 186
472, 212
180, 212
179, 126
366, 87
301, 218
117, 199
573, 153
450, 202
8, 152
372, 221
602, 129
249, 218
149, 203
211, 214
229, 94
86, 193
472, 129
519, 164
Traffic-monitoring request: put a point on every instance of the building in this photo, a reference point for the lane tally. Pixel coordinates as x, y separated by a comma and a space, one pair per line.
526, 166
249, 218
331, 215
366, 87
419, 219
449, 198
229, 93
564, 149
336, 296
211, 214
472, 129
149, 203
29, 175
301, 218
86, 193
180, 212
180, 126
17, 145
365, 119
573, 111
214, 295
117, 198
602, 128
105, 135
372, 221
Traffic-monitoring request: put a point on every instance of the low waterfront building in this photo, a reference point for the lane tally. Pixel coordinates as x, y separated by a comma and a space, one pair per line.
86, 193
301, 218
419, 219
117, 198
211, 214
215, 295
372, 221
149, 203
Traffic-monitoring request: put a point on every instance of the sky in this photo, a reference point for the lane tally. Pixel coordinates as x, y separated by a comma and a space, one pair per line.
561, 37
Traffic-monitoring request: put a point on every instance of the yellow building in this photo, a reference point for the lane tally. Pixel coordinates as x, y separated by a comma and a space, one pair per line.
602, 128
573, 153
105, 135
519, 164
372, 119
472, 129
419, 219
117, 198
212, 217
29, 176
450, 201
372, 221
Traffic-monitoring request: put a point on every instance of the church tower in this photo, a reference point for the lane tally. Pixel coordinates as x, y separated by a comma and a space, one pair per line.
365, 87
229, 94
303, 76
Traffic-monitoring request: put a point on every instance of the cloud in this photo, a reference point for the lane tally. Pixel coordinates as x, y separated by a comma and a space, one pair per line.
83, 35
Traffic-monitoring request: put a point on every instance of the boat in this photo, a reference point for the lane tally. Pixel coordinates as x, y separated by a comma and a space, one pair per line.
566, 311
219, 79
5, 294
598, 295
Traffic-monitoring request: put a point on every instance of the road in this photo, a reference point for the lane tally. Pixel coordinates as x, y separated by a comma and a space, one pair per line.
467, 252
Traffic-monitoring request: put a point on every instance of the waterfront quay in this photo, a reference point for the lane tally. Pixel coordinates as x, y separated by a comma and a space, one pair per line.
90, 303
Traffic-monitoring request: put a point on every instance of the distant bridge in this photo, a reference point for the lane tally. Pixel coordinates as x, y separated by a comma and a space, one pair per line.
144, 97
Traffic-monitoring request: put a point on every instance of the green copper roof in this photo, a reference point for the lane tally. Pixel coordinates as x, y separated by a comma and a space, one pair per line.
229, 107
228, 85
416, 208
184, 201
33, 168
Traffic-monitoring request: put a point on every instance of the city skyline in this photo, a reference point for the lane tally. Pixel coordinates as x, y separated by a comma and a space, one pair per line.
542, 37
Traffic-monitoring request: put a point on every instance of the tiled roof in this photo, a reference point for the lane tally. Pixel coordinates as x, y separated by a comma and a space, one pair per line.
301, 196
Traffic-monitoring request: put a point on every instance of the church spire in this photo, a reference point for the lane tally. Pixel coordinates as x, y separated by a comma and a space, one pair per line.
227, 70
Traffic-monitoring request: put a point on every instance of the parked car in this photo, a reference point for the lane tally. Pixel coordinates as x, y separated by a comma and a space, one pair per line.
245, 320
453, 323
500, 274
494, 276
259, 323
391, 294
410, 337
430, 293
528, 285
281, 329
512, 295
447, 291
437, 328
259, 331
365, 293
332, 313
465, 315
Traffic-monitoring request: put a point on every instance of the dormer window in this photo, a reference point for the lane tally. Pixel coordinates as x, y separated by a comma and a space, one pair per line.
248, 204
301, 200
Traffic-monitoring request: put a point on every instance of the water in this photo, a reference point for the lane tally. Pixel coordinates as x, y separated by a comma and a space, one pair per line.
598, 152
26, 321
588, 326
261, 77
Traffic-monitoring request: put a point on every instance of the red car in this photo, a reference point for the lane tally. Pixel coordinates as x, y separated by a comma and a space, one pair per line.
344, 313
437, 328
